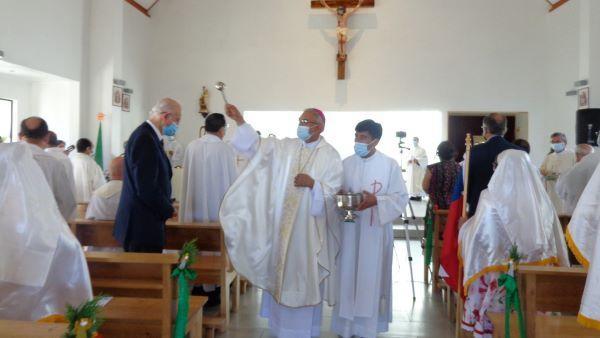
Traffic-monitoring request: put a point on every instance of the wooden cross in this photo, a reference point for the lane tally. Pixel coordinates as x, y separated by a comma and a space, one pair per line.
343, 9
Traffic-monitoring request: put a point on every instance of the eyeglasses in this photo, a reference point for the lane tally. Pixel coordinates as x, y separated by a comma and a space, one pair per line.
304, 122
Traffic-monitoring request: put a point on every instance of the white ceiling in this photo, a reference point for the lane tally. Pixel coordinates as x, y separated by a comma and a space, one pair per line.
8, 69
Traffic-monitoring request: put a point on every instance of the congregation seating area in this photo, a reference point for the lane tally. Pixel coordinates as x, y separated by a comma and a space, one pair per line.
145, 278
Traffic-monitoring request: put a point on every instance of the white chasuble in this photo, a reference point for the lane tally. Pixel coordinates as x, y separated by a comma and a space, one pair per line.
208, 172
88, 176
555, 165
105, 201
364, 278
417, 171
282, 238
584, 240
571, 184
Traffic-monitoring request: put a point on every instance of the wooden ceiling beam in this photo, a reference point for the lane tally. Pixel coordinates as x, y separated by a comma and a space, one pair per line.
558, 4
138, 7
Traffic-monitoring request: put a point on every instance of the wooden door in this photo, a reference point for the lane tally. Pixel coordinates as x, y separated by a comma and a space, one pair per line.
460, 125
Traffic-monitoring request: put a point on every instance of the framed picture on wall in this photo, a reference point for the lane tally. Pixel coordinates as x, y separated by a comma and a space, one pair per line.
125, 102
117, 96
583, 96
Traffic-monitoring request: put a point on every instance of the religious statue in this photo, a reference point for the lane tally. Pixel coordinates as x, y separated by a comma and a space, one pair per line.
342, 14
203, 102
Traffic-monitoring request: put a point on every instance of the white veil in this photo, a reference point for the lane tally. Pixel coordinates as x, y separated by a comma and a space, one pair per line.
42, 267
514, 210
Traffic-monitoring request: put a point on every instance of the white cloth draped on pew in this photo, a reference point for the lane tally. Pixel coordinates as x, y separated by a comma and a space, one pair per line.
42, 265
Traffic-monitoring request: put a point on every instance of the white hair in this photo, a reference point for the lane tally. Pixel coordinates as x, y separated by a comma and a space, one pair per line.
166, 105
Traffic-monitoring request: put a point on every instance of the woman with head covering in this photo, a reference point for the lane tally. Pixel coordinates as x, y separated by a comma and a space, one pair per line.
42, 266
583, 238
514, 210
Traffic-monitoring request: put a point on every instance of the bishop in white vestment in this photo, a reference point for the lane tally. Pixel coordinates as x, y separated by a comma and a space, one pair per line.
364, 278
208, 172
281, 224
583, 238
417, 166
105, 200
88, 174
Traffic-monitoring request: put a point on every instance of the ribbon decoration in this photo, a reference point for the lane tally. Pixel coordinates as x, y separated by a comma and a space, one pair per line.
429, 234
81, 327
183, 273
512, 301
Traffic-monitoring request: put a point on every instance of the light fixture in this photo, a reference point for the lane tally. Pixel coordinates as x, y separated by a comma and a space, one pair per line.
127, 90
1, 54
581, 83
119, 82
571, 92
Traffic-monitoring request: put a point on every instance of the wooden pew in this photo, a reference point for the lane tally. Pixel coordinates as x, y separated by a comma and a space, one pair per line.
143, 275
546, 327
549, 289
24, 329
81, 209
210, 269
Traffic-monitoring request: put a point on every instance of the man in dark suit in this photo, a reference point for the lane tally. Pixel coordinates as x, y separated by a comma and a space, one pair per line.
145, 202
483, 156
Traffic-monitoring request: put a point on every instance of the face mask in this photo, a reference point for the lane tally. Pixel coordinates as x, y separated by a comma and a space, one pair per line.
303, 133
170, 130
558, 147
361, 149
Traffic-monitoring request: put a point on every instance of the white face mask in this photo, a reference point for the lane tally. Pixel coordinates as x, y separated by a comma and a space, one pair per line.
558, 147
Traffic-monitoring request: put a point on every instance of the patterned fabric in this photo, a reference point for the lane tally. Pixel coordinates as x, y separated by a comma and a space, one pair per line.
484, 295
443, 176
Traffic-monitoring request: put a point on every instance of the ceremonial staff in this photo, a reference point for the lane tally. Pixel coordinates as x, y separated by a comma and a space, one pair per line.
459, 298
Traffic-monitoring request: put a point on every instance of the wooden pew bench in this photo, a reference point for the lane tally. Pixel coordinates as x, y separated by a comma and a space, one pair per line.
24, 329
142, 317
546, 327
545, 289
211, 269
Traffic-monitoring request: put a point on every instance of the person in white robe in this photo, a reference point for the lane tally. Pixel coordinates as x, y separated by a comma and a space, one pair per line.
364, 279
42, 265
59, 153
570, 185
555, 164
583, 238
105, 200
208, 172
281, 224
514, 210
34, 132
88, 174
417, 166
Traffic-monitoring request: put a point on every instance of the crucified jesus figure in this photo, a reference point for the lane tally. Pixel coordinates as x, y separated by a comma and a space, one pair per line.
342, 14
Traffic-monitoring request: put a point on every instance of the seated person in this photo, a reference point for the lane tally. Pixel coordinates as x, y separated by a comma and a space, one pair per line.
440, 177
43, 266
105, 200
514, 210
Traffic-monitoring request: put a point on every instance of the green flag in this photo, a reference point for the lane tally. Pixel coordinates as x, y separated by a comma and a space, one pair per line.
98, 156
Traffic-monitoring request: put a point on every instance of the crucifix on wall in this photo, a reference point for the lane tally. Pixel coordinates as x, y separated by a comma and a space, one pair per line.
342, 9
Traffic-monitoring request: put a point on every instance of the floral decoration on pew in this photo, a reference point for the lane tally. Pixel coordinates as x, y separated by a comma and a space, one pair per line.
508, 281
183, 273
83, 320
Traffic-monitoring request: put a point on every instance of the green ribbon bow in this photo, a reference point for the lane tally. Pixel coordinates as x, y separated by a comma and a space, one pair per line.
183, 302
512, 301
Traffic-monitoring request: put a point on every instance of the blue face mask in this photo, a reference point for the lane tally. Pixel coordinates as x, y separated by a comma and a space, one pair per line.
558, 147
170, 130
361, 149
303, 133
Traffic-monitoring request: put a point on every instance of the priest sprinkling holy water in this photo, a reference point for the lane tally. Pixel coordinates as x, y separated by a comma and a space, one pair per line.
364, 278
281, 224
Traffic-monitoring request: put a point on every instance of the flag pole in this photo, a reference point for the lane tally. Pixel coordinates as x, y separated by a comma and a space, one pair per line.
459, 299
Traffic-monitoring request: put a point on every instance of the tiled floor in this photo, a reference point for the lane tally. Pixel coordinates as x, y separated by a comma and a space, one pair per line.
422, 318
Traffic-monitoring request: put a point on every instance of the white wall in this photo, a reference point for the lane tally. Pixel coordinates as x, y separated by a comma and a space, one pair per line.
57, 102
405, 55
18, 90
